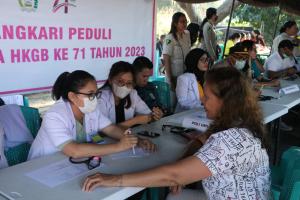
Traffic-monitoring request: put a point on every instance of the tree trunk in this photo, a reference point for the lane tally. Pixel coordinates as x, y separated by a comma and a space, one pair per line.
223, 10
190, 11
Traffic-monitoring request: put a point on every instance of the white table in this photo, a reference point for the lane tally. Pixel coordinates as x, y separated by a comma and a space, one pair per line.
289, 100
270, 113
171, 147
13, 179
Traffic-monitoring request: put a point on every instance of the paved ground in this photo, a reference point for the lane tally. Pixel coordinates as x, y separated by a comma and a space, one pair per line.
290, 138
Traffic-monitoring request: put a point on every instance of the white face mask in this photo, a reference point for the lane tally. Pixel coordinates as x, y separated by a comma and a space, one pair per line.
240, 64
121, 92
88, 105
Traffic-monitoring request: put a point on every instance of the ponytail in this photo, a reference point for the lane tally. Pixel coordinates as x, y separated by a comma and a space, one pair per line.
210, 12
59, 86
70, 82
201, 28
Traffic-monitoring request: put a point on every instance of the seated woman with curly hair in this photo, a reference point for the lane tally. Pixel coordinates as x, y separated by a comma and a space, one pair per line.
232, 163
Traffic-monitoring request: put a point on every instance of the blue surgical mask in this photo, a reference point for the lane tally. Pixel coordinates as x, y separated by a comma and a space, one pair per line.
240, 64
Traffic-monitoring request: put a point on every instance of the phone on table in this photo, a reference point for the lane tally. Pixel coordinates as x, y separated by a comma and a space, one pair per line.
148, 134
265, 98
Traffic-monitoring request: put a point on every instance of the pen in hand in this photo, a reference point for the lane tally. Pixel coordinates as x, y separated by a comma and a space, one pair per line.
129, 133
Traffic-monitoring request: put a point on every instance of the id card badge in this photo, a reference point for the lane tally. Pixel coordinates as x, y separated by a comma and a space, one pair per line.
94, 137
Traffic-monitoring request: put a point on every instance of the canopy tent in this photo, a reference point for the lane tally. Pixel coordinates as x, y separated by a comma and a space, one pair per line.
290, 6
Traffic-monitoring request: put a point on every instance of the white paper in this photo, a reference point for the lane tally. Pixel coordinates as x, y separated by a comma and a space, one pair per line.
176, 121
58, 173
196, 121
139, 152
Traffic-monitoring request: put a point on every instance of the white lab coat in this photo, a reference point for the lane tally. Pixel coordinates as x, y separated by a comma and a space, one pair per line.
187, 92
107, 105
59, 127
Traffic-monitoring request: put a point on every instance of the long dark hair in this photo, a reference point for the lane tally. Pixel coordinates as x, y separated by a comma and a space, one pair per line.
210, 12
116, 69
240, 107
191, 63
287, 25
70, 82
175, 20
193, 28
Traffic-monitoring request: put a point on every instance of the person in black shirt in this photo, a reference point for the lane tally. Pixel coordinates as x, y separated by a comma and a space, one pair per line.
142, 67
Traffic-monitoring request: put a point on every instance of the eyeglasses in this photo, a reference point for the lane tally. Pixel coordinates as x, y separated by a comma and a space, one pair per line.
204, 60
121, 84
92, 96
91, 162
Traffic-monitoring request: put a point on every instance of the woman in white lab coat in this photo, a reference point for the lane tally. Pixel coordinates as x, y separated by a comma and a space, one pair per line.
74, 120
189, 89
120, 102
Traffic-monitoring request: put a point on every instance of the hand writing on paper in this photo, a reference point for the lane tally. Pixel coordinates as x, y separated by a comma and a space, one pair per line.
128, 141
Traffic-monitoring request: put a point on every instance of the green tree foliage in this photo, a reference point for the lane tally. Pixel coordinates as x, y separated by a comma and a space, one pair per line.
264, 18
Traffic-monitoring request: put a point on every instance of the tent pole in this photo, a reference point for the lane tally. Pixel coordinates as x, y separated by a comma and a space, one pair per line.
228, 27
276, 26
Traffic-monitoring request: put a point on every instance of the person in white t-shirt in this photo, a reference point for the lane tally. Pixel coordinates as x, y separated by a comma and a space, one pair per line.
73, 122
281, 63
176, 46
288, 31
232, 163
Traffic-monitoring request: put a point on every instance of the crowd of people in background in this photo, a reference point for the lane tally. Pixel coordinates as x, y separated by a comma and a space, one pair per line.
191, 57
227, 89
